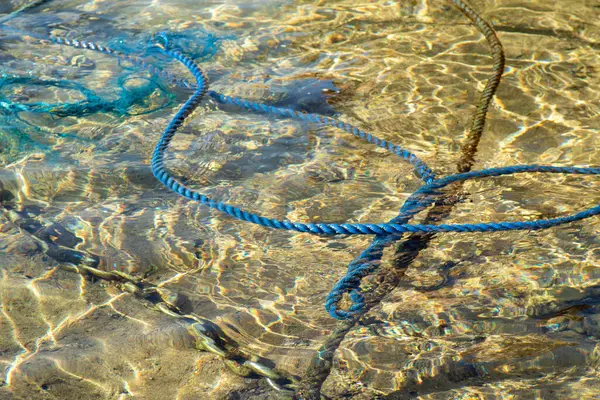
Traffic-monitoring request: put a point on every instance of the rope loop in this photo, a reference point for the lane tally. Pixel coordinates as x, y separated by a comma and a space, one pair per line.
385, 233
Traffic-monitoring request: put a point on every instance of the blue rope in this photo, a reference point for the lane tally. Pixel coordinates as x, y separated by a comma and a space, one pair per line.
423, 197
385, 232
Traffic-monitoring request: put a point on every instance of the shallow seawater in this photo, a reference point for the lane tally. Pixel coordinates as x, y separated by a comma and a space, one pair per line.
512, 315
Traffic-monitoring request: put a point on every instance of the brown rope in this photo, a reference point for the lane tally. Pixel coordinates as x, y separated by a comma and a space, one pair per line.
409, 249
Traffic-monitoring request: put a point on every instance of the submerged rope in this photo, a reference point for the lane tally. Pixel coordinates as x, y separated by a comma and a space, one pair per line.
386, 233
369, 260
421, 199
470, 146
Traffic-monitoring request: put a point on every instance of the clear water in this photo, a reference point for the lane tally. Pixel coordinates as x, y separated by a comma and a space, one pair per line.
494, 316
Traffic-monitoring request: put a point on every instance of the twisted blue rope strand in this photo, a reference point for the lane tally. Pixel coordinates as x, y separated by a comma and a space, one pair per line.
419, 200
423, 197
